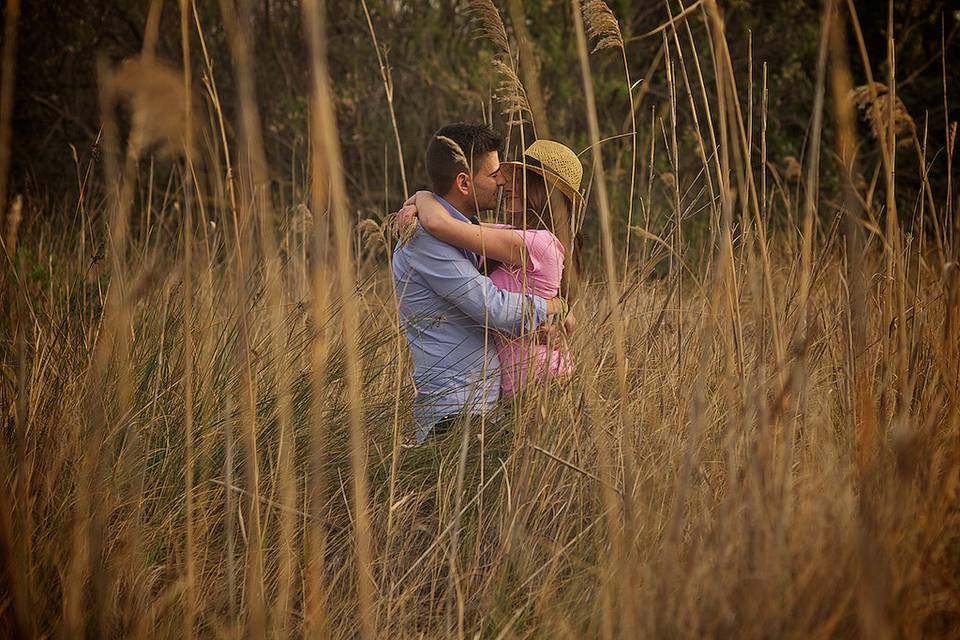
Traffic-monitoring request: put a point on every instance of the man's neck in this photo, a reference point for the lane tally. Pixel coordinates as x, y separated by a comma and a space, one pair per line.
460, 203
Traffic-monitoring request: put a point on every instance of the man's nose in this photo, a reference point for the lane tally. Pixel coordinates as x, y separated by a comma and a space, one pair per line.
501, 181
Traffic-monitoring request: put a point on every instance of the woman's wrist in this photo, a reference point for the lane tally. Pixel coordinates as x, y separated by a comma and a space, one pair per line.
431, 219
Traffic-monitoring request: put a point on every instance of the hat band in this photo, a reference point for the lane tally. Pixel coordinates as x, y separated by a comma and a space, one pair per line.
533, 162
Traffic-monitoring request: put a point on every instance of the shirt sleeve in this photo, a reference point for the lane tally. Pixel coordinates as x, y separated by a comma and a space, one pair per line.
544, 252
453, 277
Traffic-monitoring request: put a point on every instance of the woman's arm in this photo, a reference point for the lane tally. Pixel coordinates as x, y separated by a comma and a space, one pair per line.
502, 245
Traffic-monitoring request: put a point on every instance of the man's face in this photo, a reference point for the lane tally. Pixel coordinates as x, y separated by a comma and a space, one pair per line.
487, 181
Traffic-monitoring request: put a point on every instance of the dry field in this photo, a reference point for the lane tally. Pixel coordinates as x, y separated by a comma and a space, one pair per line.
204, 394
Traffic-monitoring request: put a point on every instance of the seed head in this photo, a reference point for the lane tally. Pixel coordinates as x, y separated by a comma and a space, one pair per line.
602, 25
154, 93
875, 105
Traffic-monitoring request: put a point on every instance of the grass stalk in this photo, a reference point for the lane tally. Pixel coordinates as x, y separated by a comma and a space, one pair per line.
11, 21
619, 560
251, 212
315, 618
331, 184
189, 595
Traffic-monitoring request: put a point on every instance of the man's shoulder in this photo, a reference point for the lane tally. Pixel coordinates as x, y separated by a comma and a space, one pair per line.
423, 244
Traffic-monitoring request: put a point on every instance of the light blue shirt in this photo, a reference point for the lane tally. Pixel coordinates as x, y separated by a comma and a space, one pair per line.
446, 309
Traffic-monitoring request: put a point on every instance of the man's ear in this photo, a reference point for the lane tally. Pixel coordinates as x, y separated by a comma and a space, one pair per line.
463, 183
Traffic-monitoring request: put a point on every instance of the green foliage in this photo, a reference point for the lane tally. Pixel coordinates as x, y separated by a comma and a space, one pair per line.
440, 71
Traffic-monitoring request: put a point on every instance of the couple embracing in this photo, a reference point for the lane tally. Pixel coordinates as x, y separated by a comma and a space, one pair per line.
485, 306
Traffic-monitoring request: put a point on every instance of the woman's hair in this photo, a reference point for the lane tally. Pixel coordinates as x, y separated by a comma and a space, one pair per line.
555, 212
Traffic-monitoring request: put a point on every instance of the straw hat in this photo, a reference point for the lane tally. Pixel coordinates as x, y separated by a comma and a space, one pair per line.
557, 164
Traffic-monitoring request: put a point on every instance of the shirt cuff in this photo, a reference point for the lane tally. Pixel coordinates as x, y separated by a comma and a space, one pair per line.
539, 310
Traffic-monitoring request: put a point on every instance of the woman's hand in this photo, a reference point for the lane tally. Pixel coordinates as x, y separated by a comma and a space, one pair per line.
553, 331
407, 215
431, 213
560, 321
405, 222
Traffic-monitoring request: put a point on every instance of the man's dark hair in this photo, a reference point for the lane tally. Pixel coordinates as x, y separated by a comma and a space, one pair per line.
444, 161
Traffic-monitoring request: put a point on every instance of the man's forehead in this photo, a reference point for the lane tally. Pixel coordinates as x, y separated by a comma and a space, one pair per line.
488, 163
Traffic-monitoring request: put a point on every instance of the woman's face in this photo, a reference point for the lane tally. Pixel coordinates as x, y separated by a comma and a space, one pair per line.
513, 194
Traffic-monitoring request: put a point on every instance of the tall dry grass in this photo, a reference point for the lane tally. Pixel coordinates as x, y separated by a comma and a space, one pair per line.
202, 431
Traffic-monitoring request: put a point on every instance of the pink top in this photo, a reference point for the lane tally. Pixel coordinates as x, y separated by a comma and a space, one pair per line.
542, 277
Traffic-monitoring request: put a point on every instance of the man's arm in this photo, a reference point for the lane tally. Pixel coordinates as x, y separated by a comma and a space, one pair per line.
454, 278
497, 243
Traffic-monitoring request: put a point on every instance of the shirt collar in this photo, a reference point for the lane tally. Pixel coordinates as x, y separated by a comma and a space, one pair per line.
452, 209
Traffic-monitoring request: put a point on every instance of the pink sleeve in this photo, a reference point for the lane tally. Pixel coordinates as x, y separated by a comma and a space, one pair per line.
544, 253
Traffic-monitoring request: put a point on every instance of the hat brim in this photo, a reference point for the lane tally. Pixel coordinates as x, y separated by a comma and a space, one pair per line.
565, 187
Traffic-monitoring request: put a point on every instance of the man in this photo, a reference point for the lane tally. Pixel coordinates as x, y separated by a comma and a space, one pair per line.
446, 304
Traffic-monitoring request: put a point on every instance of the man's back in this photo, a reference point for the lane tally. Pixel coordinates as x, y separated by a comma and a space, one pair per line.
446, 309
452, 355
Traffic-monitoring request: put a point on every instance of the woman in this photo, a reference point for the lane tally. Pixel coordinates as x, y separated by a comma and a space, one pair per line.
536, 252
